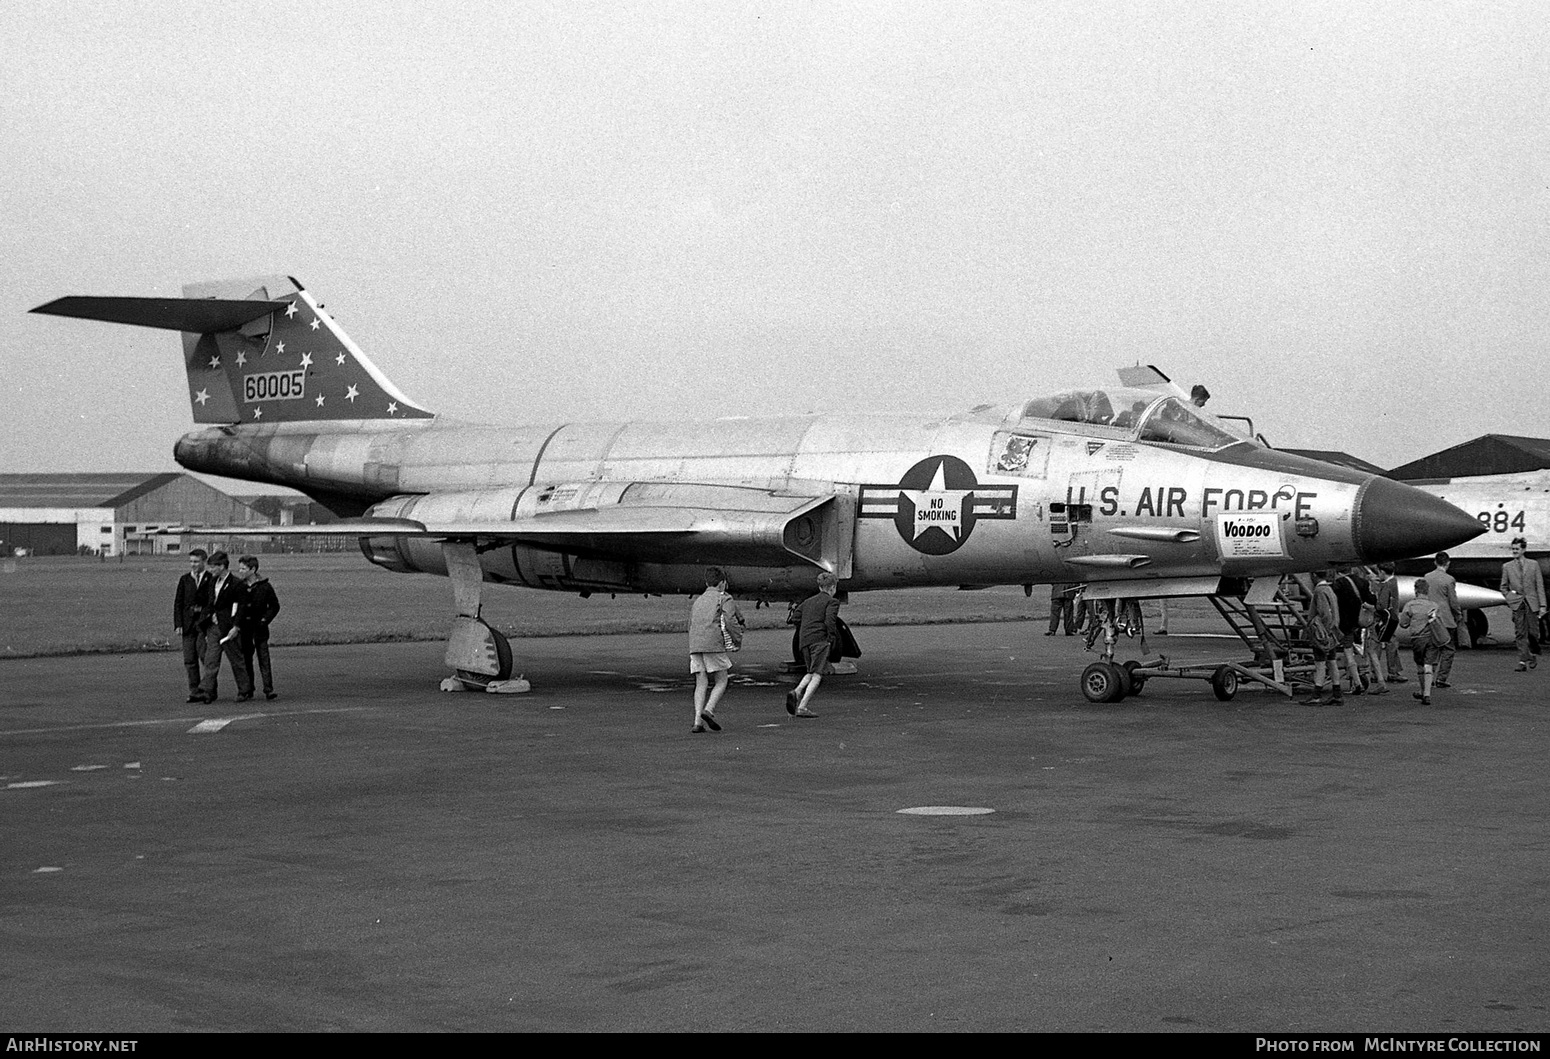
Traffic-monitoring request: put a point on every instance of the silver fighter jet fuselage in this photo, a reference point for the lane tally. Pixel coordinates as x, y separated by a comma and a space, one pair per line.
991, 496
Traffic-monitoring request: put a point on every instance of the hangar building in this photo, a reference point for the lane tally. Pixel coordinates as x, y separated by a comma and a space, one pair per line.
1487, 454
109, 514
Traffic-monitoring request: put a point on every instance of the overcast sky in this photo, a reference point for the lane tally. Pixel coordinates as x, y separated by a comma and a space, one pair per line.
1332, 214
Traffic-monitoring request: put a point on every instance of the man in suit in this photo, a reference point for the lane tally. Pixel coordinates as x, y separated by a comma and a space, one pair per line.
1524, 586
1062, 605
1442, 590
227, 596
191, 618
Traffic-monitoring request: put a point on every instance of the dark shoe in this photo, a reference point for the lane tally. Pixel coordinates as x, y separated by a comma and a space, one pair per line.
245, 698
1441, 684
698, 729
791, 703
271, 695
805, 712
1051, 633
1426, 700
1319, 700
1521, 668
1358, 690
1418, 695
199, 697
1533, 662
710, 721
1399, 680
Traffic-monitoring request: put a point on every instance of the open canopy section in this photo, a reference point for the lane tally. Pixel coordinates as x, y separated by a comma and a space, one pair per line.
1142, 414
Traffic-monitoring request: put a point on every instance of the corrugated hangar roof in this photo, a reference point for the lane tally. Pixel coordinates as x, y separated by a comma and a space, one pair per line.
90, 489
1487, 454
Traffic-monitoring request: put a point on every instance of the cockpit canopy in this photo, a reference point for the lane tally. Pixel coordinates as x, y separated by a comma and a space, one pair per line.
1145, 415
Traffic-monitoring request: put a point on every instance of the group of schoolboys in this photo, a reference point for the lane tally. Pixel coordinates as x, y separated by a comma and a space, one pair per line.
1365, 638
221, 614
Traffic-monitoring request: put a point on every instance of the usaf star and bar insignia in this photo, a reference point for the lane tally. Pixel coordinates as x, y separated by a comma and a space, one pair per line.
937, 503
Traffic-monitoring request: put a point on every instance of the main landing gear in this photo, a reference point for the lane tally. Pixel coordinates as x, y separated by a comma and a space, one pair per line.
479, 656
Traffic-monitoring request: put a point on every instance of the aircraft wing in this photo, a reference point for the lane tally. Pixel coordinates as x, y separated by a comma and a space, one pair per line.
769, 529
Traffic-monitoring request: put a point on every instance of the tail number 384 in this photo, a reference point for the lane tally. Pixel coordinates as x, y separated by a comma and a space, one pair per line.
1501, 520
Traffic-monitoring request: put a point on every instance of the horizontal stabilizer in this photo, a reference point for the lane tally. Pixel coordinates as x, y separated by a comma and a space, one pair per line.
195, 316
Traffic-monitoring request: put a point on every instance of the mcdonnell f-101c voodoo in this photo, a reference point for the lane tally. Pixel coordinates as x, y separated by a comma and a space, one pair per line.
1129, 489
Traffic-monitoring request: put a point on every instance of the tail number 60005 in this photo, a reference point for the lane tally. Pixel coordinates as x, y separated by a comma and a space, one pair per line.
275, 386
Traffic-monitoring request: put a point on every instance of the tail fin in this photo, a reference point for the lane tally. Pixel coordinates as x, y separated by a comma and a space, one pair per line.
258, 351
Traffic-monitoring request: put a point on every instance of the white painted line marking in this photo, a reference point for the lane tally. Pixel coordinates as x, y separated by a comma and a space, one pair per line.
946, 810
45, 868
168, 720
87, 768
769, 726
215, 724
31, 783
132, 765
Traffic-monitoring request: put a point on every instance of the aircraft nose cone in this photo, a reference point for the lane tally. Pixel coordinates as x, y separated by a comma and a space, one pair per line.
1398, 521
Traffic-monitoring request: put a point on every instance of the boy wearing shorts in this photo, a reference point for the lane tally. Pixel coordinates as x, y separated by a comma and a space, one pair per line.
818, 628
1418, 616
707, 650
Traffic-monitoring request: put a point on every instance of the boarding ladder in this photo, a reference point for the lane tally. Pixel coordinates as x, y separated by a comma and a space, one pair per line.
1271, 618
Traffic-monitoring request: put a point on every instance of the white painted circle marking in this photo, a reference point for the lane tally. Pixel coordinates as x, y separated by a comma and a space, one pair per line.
946, 810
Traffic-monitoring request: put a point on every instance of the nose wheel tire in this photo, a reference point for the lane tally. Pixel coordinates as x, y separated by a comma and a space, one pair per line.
1104, 682
1135, 679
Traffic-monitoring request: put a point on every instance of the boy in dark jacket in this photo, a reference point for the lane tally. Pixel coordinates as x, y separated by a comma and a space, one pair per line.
261, 607
818, 628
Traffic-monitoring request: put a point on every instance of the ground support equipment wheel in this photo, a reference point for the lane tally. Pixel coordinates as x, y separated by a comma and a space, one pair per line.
1224, 683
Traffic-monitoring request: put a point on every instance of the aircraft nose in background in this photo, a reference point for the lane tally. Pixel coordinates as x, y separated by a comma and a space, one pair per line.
1398, 521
